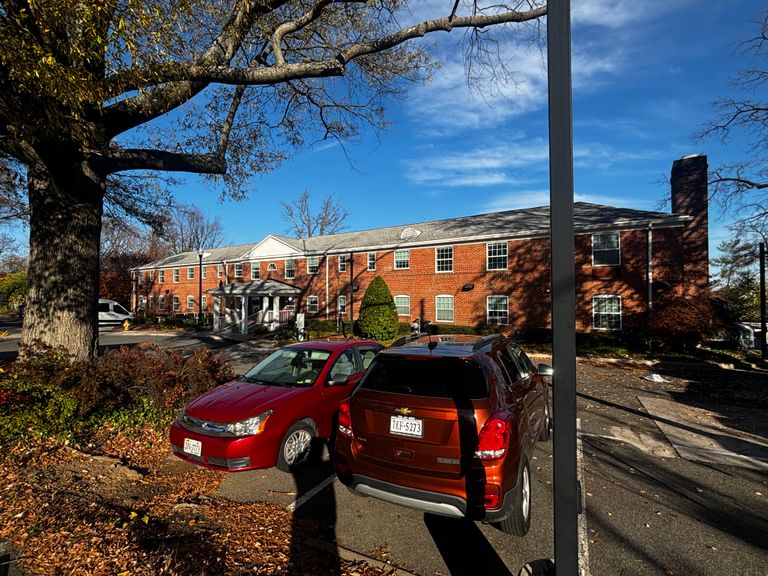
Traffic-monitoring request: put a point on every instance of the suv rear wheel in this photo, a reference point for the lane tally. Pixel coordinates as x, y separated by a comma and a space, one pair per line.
546, 430
518, 521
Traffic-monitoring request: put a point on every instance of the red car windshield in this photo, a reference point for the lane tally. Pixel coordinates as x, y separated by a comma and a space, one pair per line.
289, 367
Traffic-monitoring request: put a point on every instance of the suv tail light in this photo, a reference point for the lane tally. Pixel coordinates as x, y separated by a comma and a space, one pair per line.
493, 439
345, 419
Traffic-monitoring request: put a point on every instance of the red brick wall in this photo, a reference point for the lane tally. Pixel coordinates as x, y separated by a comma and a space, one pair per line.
526, 281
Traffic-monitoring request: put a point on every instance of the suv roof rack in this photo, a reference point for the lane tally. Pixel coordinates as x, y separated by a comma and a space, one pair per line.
409, 338
484, 341
481, 342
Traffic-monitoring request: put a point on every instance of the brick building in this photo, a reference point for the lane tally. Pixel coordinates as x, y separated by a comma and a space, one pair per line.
483, 269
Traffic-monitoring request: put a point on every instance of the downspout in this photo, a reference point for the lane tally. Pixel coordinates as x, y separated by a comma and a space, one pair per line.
650, 266
327, 288
352, 293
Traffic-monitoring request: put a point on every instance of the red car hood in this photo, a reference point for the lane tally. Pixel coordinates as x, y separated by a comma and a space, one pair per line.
238, 400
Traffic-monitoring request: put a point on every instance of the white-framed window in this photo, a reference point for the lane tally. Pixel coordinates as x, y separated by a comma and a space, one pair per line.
403, 305
444, 259
142, 303
497, 255
290, 269
255, 270
219, 270
341, 305
161, 276
342, 263
444, 308
238, 269
371, 261
176, 304
190, 302
272, 267
313, 304
205, 302
606, 312
140, 278
205, 272
498, 310
175, 275
606, 249
402, 259
313, 264
190, 273
151, 301
161, 302
151, 275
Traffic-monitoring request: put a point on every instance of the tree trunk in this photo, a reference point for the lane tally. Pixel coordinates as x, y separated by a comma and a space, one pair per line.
66, 198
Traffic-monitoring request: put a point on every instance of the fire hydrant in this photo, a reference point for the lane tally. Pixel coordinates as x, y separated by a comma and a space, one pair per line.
126, 324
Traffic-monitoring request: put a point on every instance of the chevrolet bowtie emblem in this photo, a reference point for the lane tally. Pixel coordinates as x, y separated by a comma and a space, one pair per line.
403, 411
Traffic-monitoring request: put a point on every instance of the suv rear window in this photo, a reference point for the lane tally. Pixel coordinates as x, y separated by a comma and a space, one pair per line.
423, 376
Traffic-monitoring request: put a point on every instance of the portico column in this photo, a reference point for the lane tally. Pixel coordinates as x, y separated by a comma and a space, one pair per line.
244, 315
276, 307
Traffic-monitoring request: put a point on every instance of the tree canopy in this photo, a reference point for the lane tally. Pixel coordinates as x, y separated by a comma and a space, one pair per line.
742, 186
98, 93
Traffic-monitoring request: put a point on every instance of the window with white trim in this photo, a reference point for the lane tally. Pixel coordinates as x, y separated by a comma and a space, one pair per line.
444, 259
190, 302
342, 262
151, 275
290, 269
219, 270
371, 261
313, 304
444, 308
140, 278
402, 259
205, 272
313, 264
161, 276
176, 304
151, 301
238, 269
175, 275
498, 310
403, 305
190, 273
606, 249
161, 302
142, 302
497, 255
341, 305
255, 270
606, 312
205, 302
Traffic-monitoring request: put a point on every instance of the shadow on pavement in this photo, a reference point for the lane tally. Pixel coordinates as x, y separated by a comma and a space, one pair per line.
464, 548
313, 523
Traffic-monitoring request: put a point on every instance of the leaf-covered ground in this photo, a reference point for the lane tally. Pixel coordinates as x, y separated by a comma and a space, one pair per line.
129, 511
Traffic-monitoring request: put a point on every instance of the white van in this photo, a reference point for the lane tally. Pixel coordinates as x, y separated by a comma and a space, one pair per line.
112, 314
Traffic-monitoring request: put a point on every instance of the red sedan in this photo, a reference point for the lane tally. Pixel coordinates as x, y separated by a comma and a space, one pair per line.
272, 415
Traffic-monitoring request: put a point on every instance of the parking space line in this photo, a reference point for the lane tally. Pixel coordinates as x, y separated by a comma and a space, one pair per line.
307, 496
582, 520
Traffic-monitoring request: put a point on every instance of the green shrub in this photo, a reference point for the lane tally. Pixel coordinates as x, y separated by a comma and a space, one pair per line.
455, 329
378, 316
47, 395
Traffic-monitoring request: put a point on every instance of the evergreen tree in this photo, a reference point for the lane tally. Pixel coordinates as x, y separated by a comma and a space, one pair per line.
378, 315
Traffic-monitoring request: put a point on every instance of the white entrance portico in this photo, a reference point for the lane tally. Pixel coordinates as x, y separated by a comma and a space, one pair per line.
242, 305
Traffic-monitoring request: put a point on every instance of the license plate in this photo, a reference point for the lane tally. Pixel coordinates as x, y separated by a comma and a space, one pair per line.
194, 447
405, 426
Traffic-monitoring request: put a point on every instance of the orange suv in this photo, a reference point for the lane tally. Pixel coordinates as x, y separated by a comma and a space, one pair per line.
447, 425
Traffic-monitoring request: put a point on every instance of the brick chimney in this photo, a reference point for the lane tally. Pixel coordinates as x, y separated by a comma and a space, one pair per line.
689, 196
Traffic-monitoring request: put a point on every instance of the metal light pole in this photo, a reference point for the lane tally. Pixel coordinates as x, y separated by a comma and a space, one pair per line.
200, 285
565, 482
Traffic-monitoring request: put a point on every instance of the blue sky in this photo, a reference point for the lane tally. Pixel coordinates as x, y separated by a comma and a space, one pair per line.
645, 76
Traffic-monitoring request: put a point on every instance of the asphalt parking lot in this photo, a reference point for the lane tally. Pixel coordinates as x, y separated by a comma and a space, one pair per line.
675, 478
